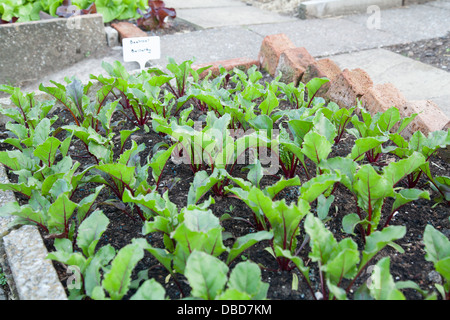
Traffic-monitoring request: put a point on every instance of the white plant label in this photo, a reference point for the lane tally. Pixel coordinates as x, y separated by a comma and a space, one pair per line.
141, 49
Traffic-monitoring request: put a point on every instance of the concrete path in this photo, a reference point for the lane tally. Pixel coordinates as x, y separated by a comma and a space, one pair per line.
232, 29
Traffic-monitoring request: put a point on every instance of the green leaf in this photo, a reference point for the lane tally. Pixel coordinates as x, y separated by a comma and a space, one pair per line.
46, 151
87, 203
60, 213
119, 172
90, 232
437, 245
316, 147
93, 273
344, 263
349, 223
125, 134
64, 254
371, 190
117, 280
203, 182
255, 173
300, 128
363, 145
396, 171
443, 267
207, 275
246, 278
280, 185
324, 127
269, 104
245, 242
322, 240
295, 259
316, 186
346, 166
388, 119
382, 285
379, 239
314, 85
405, 196
323, 206
150, 290
158, 162
200, 231
154, 202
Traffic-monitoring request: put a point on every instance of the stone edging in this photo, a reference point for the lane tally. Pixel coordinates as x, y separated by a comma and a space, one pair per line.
23, 255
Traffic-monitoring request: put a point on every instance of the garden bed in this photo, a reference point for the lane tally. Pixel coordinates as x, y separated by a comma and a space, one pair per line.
237, 218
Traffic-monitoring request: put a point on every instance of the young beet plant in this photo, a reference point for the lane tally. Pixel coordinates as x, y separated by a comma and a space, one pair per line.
427, 146
340, 264
437, 248
371, 189
279, 218
372, 133
197, 230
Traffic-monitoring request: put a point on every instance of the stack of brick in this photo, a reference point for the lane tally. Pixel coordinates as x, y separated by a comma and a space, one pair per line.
346, 87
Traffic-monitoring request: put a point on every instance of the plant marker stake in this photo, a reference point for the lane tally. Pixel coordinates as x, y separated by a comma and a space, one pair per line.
141, 49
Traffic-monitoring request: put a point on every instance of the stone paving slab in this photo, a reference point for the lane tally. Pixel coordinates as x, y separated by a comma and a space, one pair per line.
416, 80
230, 16
324, 8
414, 23
189, 4
443, 4
322, 37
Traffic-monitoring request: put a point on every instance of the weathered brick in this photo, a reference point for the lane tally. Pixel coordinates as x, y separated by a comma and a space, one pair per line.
271, 49
292, 64
381, 97
240, 63
349, 86
128, 30
323, 68
430, 117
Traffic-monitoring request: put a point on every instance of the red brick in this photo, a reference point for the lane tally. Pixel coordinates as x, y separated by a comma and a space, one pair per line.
128, 30
447, 126
323, 68
349, 86
240, 63
430, 117
292, 64
382, 97
271, 49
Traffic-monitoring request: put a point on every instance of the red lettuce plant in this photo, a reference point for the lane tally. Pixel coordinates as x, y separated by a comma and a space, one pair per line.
155, 15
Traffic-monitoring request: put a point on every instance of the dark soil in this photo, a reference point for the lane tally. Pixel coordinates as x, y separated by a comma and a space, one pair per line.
435, 52
410, 265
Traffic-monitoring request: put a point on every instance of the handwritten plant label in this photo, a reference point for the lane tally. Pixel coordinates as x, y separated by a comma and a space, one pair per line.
141, 49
